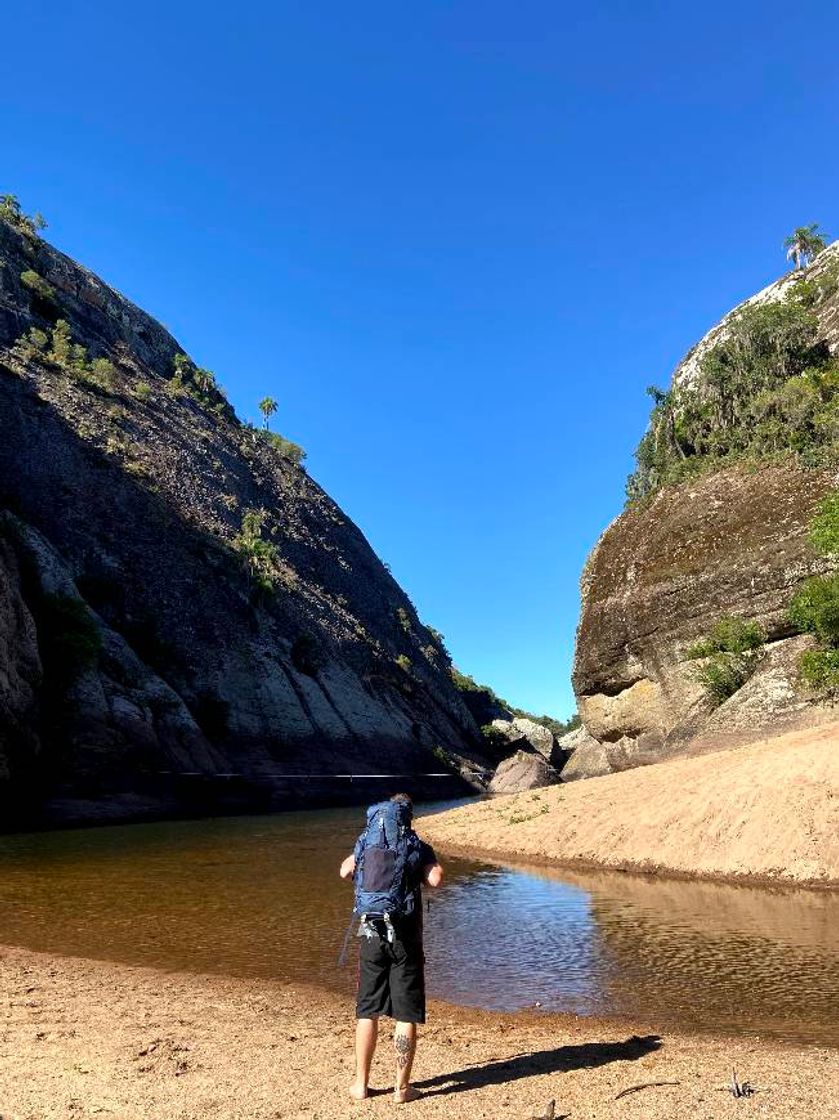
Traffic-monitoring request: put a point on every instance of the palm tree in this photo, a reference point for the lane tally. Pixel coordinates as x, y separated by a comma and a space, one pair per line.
267, 406
803, 244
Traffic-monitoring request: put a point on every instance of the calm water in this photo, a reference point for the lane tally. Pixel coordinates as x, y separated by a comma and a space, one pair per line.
260, 896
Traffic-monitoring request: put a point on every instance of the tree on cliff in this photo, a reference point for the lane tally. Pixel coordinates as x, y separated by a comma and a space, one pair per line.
11, 212
803, 244
267, 406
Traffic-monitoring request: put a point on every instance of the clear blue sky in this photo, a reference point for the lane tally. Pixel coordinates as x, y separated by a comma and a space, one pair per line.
454, 240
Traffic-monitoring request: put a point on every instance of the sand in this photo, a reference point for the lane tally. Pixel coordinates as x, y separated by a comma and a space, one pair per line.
767, 811
82, 1039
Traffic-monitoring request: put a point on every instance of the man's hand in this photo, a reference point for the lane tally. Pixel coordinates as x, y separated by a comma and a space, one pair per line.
347, 867
433, 875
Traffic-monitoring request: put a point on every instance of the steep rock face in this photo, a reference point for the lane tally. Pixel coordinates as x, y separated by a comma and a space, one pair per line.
666, 570
124, 501
20, 668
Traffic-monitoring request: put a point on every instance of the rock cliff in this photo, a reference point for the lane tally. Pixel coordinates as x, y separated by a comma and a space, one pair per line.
730, 541
187, 621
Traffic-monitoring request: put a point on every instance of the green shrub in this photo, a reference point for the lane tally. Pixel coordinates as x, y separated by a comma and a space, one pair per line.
819, 670
35, 341
62, 343
404, 663
722, 674
824, 528
68, 636
403, 618
38, 285
445, 759
103, 374
288, 450
815, 608
730, 653
306, 655
730, 634
194, 381
142, 390
496, 743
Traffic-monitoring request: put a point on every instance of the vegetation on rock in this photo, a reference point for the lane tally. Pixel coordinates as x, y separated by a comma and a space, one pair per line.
260, 555
12, 212
815, 606
59, 348
469, 688
38, 285
768, 386
730, 654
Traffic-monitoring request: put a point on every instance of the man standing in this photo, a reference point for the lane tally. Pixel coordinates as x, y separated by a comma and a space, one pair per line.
390, 864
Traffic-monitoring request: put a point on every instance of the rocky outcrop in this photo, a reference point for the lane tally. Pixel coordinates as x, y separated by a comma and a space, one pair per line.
667, 569
587, 756
154, 650
525, 734
523, 770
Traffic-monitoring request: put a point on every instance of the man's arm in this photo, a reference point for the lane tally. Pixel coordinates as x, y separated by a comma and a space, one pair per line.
432, 876
347, 867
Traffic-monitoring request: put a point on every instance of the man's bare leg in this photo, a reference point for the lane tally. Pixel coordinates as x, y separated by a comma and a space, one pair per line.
405, 1044
366, 1034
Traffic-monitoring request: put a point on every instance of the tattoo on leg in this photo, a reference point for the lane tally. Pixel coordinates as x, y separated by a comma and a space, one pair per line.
404, 1046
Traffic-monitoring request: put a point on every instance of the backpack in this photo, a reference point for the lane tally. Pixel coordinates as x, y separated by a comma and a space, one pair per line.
386, 853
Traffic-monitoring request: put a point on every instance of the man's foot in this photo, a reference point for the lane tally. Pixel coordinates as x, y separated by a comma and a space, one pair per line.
404, 1096
358, 1092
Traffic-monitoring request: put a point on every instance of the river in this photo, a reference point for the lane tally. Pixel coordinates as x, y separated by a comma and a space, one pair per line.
260, 896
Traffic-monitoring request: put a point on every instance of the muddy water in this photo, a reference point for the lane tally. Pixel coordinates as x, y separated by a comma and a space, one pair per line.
260, 896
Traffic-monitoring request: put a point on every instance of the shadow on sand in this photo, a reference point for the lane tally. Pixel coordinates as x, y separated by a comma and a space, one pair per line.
586, 1055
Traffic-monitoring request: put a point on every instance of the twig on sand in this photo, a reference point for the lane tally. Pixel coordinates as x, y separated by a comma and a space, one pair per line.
738, 1088
644, 1085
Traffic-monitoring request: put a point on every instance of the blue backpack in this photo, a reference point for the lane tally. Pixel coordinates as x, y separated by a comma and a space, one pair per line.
387, 855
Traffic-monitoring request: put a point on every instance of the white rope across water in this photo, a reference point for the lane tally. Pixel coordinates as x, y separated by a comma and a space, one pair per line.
273, 774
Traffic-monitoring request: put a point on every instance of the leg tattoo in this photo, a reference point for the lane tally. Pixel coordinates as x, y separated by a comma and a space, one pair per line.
403, 1046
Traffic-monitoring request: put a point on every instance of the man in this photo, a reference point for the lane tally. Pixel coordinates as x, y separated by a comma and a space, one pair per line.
391, 968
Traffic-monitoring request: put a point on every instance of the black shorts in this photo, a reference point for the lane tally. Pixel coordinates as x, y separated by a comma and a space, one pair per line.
391, 980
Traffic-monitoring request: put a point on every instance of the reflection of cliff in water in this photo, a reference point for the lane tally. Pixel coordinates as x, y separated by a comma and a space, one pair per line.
717, 955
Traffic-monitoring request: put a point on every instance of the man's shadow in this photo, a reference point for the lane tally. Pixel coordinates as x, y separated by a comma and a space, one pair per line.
585, 1055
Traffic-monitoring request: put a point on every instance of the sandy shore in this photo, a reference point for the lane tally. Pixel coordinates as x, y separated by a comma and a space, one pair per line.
767, 811
83, 1039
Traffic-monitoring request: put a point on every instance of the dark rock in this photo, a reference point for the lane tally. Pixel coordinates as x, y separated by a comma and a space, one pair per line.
128, 500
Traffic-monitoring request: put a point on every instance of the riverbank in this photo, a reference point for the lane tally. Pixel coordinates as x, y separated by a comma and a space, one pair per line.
766, 812
88, 1039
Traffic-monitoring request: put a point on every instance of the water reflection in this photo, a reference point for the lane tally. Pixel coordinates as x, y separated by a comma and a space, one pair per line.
261, 897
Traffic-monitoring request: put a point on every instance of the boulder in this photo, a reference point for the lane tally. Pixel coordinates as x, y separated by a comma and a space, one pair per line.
526, 734
589, 757
523, 770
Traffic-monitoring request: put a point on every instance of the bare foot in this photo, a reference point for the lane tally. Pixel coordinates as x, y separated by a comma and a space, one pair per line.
403, 1096
358, 1092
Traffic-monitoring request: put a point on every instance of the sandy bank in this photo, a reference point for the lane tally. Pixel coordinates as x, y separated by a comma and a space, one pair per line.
87, 1039
769, 810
